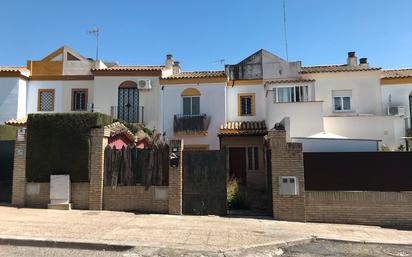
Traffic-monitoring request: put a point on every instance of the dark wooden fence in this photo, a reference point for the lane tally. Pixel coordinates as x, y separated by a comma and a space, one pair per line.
358, 171
131, 166
204, 182
6, 170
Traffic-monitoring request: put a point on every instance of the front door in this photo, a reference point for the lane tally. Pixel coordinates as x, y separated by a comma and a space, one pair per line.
237, 164
128, 109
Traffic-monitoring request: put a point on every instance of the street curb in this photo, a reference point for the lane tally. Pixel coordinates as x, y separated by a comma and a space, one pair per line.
64, 244
315, 238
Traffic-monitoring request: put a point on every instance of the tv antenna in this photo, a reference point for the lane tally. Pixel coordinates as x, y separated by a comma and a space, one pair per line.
220, 61
95, 31
285, 30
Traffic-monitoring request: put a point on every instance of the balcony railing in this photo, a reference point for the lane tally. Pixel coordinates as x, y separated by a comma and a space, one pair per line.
191, 123
131, 114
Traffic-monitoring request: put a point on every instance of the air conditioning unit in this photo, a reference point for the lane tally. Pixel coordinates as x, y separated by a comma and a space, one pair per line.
144, 84
396, 111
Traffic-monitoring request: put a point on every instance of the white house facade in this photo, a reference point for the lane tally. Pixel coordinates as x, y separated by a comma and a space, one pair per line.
350, 106
217, 109
397, 93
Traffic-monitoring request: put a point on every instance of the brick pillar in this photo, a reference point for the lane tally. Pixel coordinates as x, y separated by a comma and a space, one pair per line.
287, 160
99, 141
176, 179
19, 171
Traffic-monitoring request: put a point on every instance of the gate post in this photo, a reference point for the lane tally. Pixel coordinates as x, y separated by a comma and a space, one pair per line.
175, 190
99, 141
19, 168
287, 163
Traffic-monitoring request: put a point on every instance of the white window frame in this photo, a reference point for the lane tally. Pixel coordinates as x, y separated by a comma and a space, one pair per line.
276, 93
341, 101
191, 105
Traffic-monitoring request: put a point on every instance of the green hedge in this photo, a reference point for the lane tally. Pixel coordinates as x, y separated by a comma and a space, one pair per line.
60, 144
7, 133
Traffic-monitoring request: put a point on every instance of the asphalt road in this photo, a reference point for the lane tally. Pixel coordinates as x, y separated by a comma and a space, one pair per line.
318, 249
331, 248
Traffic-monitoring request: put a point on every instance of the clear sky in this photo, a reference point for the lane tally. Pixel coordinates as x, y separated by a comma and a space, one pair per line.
198, 33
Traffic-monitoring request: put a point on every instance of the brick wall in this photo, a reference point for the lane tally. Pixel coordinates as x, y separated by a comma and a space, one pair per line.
371, 208
176, 180
38, 195
99, 140
287, 160
134, 198
19, 173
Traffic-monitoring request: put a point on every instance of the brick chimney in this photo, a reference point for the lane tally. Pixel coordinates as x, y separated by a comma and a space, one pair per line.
352, 60
363, 62
176, 67
169, 61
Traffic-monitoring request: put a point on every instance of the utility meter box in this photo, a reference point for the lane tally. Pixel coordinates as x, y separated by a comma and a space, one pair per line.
59, 190
288, 185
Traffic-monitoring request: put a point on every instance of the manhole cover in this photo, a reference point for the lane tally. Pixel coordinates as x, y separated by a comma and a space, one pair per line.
395, 252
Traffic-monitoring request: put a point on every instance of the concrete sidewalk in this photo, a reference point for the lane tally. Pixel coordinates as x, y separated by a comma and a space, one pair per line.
198, 233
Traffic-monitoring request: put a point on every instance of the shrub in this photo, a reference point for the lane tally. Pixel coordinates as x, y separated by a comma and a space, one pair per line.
236, 195
60, 144
7, 133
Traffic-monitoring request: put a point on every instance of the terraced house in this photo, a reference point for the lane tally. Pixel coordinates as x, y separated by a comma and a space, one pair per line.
346, 107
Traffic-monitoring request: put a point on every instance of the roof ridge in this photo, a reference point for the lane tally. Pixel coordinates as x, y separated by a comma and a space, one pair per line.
201, 71
326, 65
400, 69
138, 65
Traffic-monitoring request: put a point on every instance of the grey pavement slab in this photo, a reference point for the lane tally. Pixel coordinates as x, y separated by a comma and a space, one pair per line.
197, 233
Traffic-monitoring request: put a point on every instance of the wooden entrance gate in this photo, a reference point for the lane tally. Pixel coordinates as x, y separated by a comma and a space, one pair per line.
6, 170
204, 182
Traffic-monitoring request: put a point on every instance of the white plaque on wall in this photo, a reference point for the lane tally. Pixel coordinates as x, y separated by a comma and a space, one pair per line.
21, 133
59, 189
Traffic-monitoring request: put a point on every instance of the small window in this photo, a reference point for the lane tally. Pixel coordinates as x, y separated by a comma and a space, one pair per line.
191, 105
253, 158
246, 104
256, 156
342, 100
45, 101
79, 99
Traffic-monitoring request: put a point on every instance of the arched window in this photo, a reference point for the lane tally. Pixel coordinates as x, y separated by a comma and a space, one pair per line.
128, 102
191, 101
128, 84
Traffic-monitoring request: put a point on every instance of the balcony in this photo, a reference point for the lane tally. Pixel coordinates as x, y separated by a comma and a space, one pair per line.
306, 118
128, 113
191, 124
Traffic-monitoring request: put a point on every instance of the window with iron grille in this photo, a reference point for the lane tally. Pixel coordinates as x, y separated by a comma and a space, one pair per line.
45, 101
246, 104
79, 99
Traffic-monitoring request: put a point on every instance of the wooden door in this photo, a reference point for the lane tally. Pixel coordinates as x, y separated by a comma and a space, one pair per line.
237, 164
